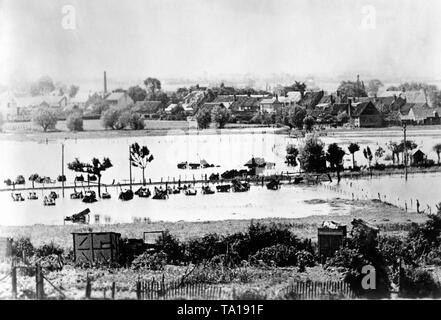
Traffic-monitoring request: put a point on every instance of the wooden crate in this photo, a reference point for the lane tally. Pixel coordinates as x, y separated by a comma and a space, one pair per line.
5, 247
96, 247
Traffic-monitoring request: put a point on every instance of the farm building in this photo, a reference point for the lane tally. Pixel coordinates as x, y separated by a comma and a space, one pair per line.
365, 114
96, 247
418, 157
330, 237
5, 247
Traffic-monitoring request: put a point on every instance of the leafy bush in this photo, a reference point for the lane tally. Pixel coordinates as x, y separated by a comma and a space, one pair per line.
279, 255
136, 122
74, 122
48, 250
45, 118
418, 283
359, 251
152, 261
109, 118
200, 249
22, 246
172, 247
304, 259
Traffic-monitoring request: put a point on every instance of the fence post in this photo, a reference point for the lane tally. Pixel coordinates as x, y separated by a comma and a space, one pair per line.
14, 282
88, 288
138, 290
113, 289
39, 289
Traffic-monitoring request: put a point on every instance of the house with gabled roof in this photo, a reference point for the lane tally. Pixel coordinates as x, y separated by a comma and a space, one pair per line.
148, 109
421, 113
311, 99
119, 99
270, 105
365, 114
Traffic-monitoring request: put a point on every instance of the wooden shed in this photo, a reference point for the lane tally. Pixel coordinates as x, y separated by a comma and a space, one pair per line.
330, 237
5, 247
93, 247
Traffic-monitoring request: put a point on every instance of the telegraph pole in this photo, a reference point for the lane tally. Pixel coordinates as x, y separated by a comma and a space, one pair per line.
405, 151
62, 169
130, 170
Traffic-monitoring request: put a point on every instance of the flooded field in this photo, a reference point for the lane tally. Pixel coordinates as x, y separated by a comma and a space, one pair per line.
225, 151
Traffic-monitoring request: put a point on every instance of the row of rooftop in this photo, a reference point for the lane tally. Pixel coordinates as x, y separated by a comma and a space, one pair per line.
387, 107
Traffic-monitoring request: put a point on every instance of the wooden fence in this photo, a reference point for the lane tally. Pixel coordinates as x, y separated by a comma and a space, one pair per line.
317, 290
177, 290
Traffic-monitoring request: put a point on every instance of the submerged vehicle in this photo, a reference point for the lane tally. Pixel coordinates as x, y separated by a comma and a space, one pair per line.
32, 196
176, 190
53, 195
143, 192
77, 195
106, 195
89, 197
81, 217
223, 188
182, 165
126, 195
160, 194
17, 197
47, 201
273, 185
240, 186
207, 190
190, 192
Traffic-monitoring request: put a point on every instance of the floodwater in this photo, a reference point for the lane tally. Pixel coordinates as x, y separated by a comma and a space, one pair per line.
226, 151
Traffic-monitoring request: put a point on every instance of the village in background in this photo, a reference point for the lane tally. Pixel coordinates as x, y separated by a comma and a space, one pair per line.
353, 103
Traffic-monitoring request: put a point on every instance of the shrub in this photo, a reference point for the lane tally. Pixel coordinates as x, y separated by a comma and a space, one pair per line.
109, 118
136, 122
123, 120
48, 250
418, 283
200, 249
172, 247
304, 259
152, 261
22, 246
74, 122
45, 118
359, 251
279, 255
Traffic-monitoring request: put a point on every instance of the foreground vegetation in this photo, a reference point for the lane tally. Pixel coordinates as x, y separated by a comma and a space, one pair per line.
264, 254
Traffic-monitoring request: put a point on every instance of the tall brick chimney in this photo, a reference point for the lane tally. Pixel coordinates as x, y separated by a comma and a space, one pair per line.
105, 82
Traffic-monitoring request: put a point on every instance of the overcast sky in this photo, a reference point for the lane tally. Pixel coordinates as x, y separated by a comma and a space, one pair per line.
135, 39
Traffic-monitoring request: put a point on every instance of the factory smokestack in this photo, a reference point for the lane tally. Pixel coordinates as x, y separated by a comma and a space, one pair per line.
105, 82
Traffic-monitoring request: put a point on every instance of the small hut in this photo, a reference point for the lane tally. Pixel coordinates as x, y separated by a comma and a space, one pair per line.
418, 157
330, 237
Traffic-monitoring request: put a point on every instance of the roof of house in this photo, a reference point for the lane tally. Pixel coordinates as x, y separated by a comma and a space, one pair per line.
360, 107
311, 99
272, 100
211, 105
147, 106
171, 107
114, 96
422, 111
258, 161
244, 103
418, 151
414, 96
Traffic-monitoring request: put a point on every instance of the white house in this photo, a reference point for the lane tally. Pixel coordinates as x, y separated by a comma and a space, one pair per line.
119, 99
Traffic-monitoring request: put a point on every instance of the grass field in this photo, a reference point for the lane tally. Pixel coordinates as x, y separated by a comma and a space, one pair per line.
390, 219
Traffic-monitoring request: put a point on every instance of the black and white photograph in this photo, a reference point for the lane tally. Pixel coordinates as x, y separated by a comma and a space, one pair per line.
220, 150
